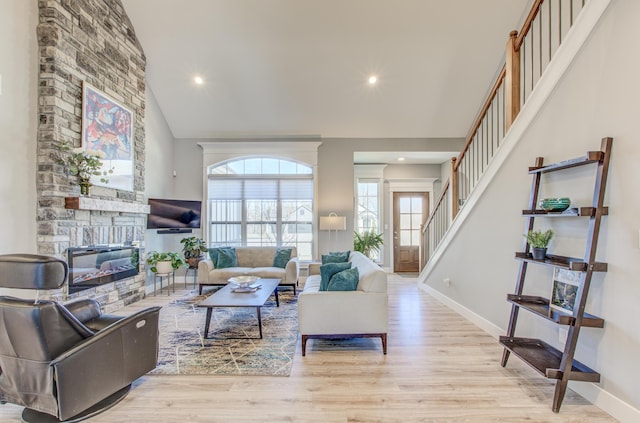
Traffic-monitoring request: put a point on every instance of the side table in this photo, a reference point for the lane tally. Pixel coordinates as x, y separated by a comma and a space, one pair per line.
171, 277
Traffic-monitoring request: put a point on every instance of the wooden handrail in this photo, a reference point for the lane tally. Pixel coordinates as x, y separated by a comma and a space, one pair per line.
442, 196
498, 112
483, 112
535, 9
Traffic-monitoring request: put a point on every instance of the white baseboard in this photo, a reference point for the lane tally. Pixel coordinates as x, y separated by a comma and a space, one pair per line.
604, 400
610, 404
472, 316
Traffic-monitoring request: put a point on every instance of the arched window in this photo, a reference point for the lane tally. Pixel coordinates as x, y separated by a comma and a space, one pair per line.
261, 201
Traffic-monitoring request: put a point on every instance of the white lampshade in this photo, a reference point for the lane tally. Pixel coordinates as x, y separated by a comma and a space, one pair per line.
333, 222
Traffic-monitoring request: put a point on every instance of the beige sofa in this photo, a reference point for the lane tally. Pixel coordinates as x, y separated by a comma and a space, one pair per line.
252, 261
345, 314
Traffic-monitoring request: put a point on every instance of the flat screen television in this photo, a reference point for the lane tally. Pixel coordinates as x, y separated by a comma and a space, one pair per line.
174, 215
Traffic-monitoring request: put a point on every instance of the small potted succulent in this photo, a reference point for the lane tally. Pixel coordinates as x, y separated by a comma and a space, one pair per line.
164, 262
192, 250
538, 241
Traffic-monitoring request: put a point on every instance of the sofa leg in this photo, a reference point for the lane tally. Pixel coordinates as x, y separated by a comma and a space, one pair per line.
384, 343
304, 345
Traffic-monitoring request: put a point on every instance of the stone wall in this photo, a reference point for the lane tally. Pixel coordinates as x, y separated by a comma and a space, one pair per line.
92, 41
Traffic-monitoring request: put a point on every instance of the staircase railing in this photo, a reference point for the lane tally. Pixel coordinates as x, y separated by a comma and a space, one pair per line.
436, 223
528, 53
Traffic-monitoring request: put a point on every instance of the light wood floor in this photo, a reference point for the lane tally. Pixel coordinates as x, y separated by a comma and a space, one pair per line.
439, 368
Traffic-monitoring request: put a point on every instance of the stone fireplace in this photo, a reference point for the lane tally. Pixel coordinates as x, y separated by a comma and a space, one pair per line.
92, 41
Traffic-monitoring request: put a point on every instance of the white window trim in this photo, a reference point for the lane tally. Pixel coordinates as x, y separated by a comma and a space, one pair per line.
370, 173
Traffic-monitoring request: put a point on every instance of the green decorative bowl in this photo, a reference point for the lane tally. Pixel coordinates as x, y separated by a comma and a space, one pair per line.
555, 204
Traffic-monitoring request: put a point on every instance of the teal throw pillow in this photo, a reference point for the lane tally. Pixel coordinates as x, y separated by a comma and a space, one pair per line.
226, 258
347, 280
213, 253
336, 257
328, 270
282, 257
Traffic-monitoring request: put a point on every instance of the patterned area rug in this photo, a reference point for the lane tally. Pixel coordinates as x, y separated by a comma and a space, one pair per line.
230, 349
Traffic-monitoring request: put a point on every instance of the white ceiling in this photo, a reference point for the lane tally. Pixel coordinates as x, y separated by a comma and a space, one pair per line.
299, 67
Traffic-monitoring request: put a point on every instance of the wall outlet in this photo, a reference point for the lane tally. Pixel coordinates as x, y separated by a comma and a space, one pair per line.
447, 281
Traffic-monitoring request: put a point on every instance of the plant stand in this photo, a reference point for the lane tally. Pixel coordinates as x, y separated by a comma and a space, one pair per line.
195, 275
171, 280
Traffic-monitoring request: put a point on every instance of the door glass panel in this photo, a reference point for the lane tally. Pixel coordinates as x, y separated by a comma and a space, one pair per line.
405, 205
405, 221
416, 205
410, 220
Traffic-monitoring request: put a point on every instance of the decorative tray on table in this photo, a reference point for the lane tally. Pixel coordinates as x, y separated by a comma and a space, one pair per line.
245, 284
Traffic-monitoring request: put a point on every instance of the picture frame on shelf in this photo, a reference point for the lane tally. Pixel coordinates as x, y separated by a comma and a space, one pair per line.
564, 289
107, 130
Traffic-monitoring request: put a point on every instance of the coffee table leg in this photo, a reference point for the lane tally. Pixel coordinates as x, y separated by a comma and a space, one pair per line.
275, 292
259, 321
207, 322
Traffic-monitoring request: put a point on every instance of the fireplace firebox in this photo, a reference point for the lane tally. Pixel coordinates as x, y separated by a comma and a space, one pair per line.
98, 265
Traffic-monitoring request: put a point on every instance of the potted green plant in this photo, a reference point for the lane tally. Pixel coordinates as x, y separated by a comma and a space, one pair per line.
192, 249
164, 262
538, 241
82, 163
367, 242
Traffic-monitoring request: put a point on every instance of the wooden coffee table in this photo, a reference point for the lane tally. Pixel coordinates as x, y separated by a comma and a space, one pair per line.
225, 297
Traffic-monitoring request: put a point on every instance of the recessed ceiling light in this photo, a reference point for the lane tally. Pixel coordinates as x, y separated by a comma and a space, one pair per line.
401, 159
198, 80
373, 80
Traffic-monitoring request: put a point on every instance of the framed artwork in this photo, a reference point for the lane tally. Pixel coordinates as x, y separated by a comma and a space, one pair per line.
107, 128
565, 289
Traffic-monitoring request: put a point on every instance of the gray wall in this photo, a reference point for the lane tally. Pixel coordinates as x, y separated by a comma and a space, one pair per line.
18, 120
335, 174
159, 182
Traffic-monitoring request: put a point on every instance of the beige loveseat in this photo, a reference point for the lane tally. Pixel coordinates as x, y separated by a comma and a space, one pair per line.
252, 261
345, 314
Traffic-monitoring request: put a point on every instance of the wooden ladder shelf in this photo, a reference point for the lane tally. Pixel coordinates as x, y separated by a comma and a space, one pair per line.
547, 360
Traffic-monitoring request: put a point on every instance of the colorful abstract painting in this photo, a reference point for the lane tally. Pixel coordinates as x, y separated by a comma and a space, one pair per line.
107, 128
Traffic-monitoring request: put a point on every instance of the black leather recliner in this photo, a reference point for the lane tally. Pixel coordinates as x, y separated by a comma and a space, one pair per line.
66, 362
